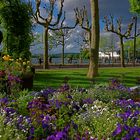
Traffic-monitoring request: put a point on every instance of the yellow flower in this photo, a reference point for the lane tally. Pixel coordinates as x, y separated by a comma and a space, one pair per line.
11, 59
17, 62
20, 58
28, 67
28, 62
6, 57
24, 63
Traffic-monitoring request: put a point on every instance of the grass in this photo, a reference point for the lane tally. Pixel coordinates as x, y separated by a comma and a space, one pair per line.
77, 77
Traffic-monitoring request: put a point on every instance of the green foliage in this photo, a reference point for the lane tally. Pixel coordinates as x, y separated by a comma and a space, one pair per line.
129, 47
16, 22
84, 53
107, 43
135, 6
22, 102
105, 95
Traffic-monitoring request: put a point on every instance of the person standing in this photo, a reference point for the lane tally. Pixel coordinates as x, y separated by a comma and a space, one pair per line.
40, 60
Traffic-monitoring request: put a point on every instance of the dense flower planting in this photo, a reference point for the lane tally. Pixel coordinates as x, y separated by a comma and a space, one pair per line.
103, 112
11, 74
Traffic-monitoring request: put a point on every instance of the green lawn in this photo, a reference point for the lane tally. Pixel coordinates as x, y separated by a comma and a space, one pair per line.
77, 77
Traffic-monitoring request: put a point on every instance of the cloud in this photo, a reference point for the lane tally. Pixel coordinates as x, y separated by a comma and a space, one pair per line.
106, 7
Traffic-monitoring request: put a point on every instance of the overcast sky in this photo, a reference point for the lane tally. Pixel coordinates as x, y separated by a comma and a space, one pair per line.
117, 8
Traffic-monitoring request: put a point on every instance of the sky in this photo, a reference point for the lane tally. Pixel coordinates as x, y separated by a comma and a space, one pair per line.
117, 8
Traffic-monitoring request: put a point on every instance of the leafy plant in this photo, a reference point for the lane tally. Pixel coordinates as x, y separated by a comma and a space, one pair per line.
22, 102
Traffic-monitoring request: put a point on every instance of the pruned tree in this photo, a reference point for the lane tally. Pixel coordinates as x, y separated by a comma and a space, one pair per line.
49, 24
94, 35
83, 20
110, 27
59, 38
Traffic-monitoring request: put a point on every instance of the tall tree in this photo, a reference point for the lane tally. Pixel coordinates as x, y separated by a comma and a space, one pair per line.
94, 35
135, 8
17, 27
110, 27
95, 38
48, 23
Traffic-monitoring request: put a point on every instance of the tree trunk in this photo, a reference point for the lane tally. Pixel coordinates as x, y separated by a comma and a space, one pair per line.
63, 47
122, 52
95, 37
112, 56
46, 46
135, 33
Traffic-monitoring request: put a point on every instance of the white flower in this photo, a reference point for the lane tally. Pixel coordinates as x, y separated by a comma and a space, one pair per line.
85, 105
92, 107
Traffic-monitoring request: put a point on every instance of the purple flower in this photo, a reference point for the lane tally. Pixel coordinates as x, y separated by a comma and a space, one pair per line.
46, 92
64, 88
69, 96
14, 78
46, 121
75, 126
118, 130
126, 127
4, 101
20, 119
32, 130
125, 115
88, 101
82, 90
138, 130
2, 74
66, 129
61, 135
52, 137
126, 137
9, 111
137, 138
58, 104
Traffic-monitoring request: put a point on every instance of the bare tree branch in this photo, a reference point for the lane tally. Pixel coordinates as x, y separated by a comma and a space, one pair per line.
59, 14
82, 17
110, 27
37, 13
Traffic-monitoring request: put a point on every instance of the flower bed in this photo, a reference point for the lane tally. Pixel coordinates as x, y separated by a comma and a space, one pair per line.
103, 112
13, 75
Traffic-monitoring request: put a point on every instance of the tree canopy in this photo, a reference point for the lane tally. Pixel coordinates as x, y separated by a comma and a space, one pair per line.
15, 16
135, 6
